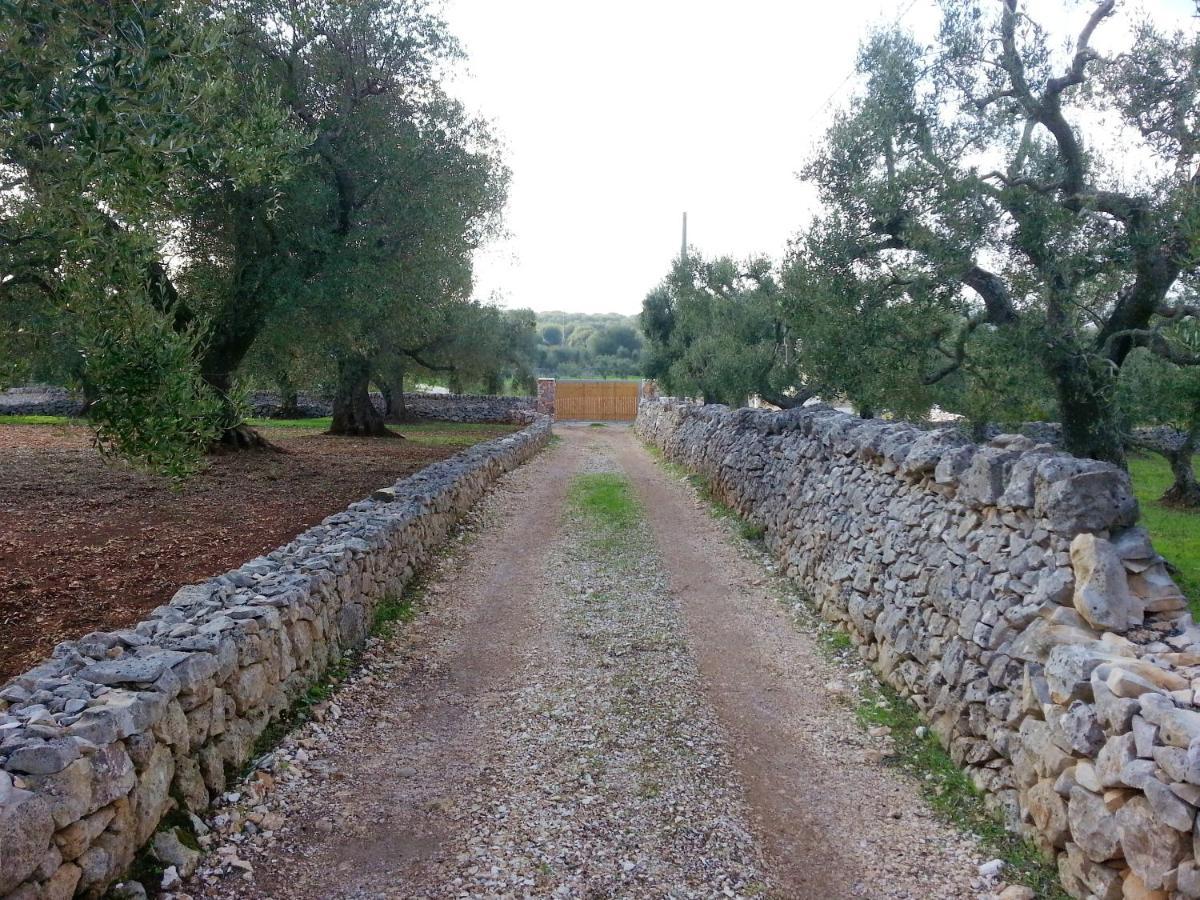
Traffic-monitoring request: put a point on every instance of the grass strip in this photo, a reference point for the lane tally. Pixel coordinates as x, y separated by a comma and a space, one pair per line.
608, 499
41, 420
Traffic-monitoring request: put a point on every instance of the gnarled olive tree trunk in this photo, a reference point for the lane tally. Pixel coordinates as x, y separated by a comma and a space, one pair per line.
1184, 490
392, 388
289, 397
1085, 386
354, 414
1178, 448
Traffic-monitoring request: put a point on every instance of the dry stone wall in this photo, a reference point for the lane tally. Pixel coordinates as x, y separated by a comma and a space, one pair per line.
419, 407
47, 400
39, 400
100, 742
468, 408
1007, 590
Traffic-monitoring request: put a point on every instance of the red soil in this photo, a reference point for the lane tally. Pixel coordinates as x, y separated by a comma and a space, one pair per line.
90, 545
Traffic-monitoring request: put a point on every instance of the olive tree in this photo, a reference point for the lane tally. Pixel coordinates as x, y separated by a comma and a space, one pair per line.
716, 329
361, 80
112, 112
963, 180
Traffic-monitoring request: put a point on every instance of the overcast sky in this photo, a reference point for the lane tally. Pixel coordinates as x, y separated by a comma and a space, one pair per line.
619, 116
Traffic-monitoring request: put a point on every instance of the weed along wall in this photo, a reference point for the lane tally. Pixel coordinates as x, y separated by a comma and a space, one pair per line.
104, 739
1005, 589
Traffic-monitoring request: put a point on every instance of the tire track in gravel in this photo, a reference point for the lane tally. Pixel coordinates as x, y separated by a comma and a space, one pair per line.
372, 813
831, 823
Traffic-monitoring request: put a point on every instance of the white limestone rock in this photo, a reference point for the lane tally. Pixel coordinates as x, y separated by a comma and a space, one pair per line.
1102, 594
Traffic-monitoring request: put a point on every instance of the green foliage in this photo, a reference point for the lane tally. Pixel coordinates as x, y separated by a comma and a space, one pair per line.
400, 189
151, 405
479, 347
582, 345
221, 171
717, 330
1155, 391
114, 112
970, 253
851, 339
752, 531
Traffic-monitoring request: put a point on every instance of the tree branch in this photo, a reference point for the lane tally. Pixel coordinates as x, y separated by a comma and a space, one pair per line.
1156, 342
1178, 313
997, 299
959, 355
1047, 110
1083, 52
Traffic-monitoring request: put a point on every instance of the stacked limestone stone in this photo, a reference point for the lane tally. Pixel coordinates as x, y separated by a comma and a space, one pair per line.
101, 741
48, 400
419, 406
1007, 590
468, 408
40, 400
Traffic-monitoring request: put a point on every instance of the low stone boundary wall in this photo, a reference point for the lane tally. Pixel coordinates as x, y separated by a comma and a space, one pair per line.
101, 741
45, 400
39, 400
419, 406
468, 408
1006, 590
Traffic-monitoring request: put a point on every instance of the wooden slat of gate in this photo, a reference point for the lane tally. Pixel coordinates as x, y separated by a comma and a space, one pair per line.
602, 400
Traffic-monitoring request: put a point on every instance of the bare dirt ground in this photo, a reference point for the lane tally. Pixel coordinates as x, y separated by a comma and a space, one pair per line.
566, 717
88, 545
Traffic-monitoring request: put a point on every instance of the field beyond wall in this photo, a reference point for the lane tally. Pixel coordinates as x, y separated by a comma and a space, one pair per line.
90, 545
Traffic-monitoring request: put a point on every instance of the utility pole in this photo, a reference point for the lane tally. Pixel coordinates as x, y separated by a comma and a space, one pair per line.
683, 246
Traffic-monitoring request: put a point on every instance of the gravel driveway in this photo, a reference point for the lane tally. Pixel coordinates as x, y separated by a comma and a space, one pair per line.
581, 712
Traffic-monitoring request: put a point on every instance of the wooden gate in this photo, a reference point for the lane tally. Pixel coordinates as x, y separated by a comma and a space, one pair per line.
602, 400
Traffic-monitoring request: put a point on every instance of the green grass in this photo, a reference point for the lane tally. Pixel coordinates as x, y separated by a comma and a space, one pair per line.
1175, 532
322, 423
751, 531
423, 434
834, 641
41, 420
391, 612
607, 499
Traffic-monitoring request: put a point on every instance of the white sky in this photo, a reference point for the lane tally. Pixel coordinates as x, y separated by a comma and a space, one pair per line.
619, 116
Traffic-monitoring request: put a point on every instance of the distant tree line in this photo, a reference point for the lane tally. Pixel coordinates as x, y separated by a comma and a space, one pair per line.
983, 246
194, 192
583, 345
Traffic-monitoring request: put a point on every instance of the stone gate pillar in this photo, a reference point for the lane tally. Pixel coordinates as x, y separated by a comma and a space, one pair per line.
545, 396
